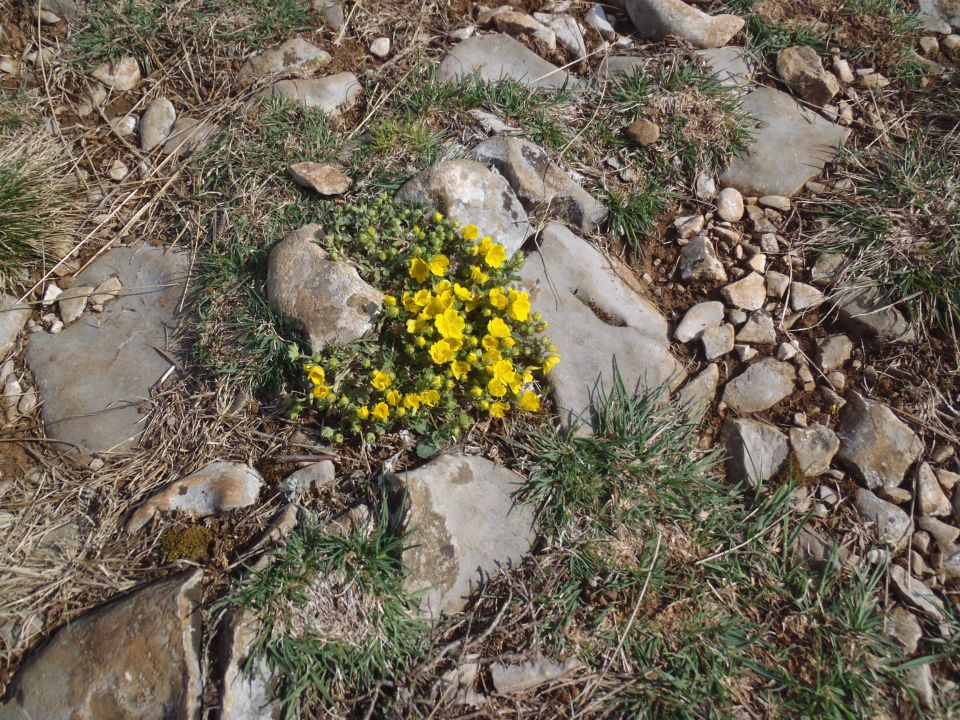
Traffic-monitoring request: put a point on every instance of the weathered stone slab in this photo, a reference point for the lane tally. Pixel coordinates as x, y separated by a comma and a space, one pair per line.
498, 57
95, 377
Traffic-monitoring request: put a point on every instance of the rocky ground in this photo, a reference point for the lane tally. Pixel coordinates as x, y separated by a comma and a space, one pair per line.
741, 222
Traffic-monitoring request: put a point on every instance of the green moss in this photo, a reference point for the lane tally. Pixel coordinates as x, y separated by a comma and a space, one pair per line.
186, 543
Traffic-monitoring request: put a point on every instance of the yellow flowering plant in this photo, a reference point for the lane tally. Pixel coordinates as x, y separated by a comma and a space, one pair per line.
456, 341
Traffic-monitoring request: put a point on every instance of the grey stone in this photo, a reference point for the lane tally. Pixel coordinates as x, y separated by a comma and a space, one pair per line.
615, 66
95, 376
295, 56
106, 291
904, 628
156, 124
944, 534
876, 446
189, 135
814, 447
567, 32
66, 9
919, 679
328, 299
777, 202
12, 319
729, 204
803, 296
731, 66
947, 10
705, 187
892, 525
323, 179
865, 313
700, 317
699, 261
136, 658
332, 94
465, 526
689, 225
466, 191
380, 47
497, 57
246, 687
750, 293
756, 451
833, 352
758, 329
527, 675
122, 75
72, 302
596, 18
761, 386
331, 11
915, 594
595, 319
826, 268
520, 24
802, 70
309, 478
657, 19
539, 184
717, 341
777, 283
695, 397
216, 488
931, 499
790, 146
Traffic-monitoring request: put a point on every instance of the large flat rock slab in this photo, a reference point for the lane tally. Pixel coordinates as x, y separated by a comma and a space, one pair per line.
137, 658
791, 144
465, 526
595, 319
499, 57
95, 377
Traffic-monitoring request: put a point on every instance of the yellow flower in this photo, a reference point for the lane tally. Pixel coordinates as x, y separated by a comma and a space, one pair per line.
492, 356
460, 370
470, 232
498, 298
389, 301
320, 391
476, 391
478, 275
437, 217
529, 401
440, 352
422, 298
499, 409
495, 256
498, 328
412, 401
315, 374
430, 397
363, 412
439, 264
419, 270
380, 411
497, 388
381, 380
509, 342
393, 398
503, 371
549, 363
520, 308
450, 324
489, 342
462, 293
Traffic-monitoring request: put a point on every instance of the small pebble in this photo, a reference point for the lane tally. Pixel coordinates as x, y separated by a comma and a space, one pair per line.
380, 47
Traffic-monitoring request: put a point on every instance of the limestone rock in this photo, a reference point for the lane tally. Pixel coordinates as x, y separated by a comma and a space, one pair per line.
567, 32
595, 319
12, 319
758, 329
136, 658
157, 124
915, 594
66, 9
216, 488
731, 66
527, 675
874, 443
466, 525
468, 192
695, 397
657, 19
332, 94
520, 24
761, 386
328, 299
750, 293
802, 70
699, 261
803, 296
323, 179
121, 76
931, 499
615, 66
904, 628
309, 478
865, 313
947, 10
72, 302
296, 56
497, 57
717, 341
756, 451
106, 291
729, 204
189, 135
893, 526
539, 184
104, 366
596, 18
246, 691
380, 47
833, 352
790, 146
700, 317
332, 13
814, 447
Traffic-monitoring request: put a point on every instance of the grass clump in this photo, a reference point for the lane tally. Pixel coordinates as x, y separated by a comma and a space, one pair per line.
454, 339
334, 623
